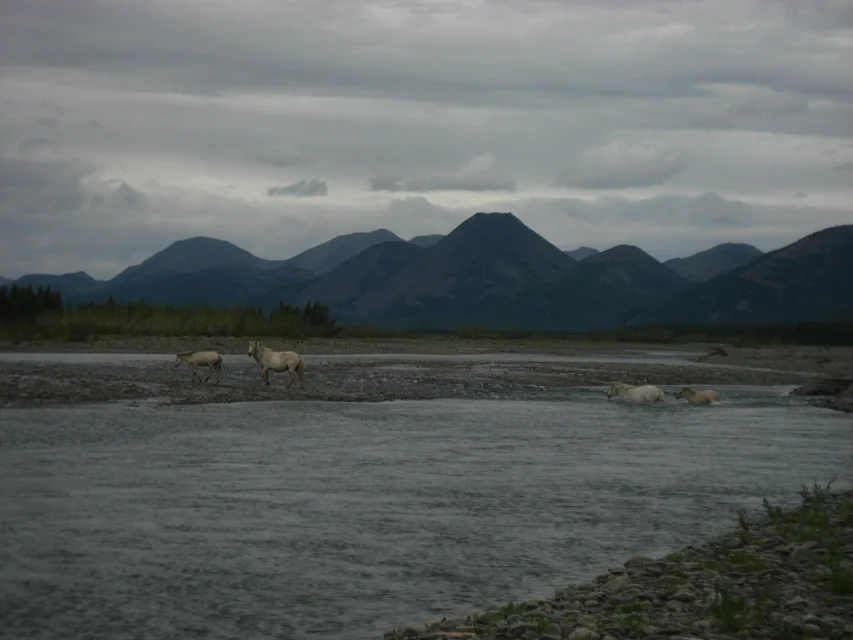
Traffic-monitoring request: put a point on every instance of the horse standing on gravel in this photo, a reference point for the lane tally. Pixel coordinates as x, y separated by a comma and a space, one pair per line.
210, 359
278, 361
645, 394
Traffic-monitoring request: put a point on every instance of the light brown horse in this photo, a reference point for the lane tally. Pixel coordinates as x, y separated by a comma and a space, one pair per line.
195, 359
278, 361
709, 396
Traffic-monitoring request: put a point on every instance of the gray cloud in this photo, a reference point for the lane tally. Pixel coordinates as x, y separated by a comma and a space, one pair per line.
279, 155
41, 187
303, 189
614, 166
44, 121
128, 125
478, 174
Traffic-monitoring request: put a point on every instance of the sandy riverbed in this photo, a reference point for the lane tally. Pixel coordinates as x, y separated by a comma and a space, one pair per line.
25, 384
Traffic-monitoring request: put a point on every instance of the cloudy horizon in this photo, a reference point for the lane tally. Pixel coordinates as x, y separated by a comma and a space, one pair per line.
672, 125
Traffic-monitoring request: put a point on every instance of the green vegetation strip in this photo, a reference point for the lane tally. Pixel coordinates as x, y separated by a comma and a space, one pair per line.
40, 314
784, 575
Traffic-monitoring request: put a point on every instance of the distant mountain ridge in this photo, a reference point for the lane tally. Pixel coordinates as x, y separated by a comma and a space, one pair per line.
427, 241
720, 259
328, 255
493, 270
193, 254
808, 280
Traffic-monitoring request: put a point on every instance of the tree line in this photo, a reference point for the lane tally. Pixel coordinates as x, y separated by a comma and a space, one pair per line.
27, 314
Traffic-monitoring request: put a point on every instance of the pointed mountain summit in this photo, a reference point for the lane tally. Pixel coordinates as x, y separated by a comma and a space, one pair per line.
713, 262
487, 255
582, 253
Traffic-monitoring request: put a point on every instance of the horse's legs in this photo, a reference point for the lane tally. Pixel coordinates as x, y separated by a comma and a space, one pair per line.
209, 373
292, 378
265, 375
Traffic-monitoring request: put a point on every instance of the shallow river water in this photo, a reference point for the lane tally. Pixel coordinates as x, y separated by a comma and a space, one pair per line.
314, 520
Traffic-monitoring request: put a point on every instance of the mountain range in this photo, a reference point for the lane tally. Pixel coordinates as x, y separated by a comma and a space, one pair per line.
492, 270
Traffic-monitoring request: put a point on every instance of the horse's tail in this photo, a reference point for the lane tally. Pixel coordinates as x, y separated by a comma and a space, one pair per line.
300, 368
218, 363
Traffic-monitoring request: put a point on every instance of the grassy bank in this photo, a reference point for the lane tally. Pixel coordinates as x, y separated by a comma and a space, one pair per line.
786, 574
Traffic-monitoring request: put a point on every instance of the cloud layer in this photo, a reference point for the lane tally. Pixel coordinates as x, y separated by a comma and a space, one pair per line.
671, 125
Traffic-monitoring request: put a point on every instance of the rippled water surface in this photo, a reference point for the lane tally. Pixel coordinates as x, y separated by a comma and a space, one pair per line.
301, 520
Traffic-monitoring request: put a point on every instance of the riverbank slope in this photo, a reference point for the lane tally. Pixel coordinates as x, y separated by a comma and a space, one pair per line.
785, 575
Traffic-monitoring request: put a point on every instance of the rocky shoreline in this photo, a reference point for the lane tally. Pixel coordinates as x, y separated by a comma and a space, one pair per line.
472, 374
43, 384
835, 393
785, 575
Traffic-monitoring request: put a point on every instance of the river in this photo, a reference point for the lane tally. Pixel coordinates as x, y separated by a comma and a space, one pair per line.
336, 520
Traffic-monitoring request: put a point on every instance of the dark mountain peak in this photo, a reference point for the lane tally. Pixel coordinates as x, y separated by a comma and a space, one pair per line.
805, 281
636, 268
66, 283
341, 287
192, 254
622, 253
819, 242
710, 263
79, 276
326, 256
489, 255
582, 253
493, 221
496, 232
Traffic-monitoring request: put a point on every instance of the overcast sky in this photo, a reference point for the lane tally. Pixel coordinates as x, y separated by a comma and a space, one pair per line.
670, 124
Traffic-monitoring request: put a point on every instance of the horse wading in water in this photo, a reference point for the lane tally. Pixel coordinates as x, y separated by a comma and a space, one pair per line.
709, 396
278, 361
647, 393
195, 359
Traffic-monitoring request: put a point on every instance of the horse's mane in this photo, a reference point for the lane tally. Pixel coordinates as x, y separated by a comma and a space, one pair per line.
689, 389
187, 353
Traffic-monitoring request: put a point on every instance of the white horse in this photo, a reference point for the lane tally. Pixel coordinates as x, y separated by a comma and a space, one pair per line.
647, 393
709, 396
195, 359
278, 361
